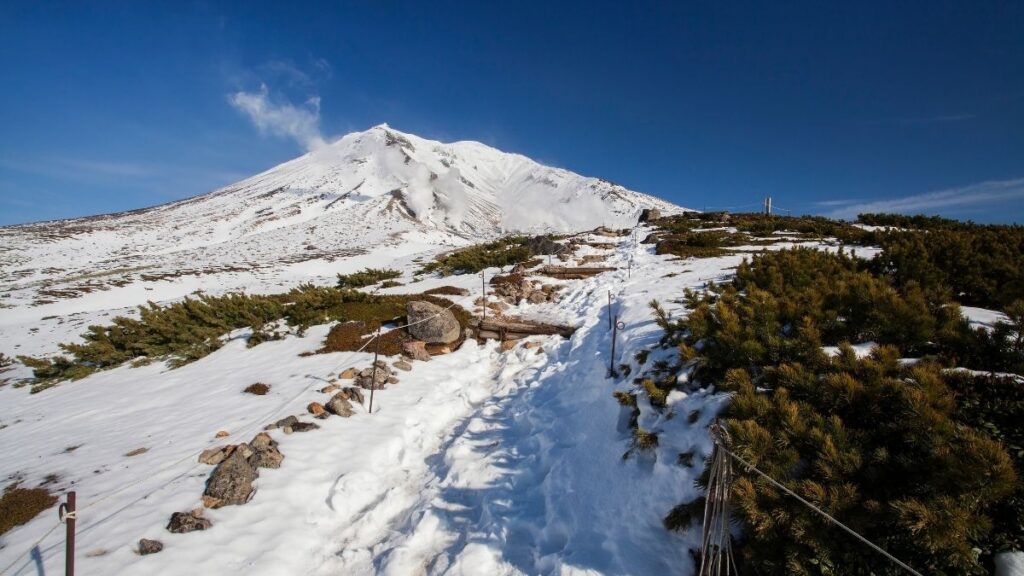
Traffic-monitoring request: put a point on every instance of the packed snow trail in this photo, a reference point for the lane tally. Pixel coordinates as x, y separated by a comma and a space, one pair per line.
534, 480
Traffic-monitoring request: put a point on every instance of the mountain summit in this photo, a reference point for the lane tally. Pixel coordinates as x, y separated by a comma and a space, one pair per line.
347, 203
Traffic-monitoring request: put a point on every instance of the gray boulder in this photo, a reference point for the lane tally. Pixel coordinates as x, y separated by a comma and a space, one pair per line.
431, 323
150, 546
231, 482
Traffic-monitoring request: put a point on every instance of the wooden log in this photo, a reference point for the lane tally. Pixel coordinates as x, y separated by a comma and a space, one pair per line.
514, 329
570, 273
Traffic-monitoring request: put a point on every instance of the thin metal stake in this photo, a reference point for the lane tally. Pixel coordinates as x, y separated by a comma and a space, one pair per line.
376, 352
66, 511
611, 361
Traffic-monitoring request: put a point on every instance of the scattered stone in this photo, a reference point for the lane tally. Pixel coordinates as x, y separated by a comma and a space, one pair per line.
329, 389
519, 268
374, 376
339, 405
229, 484
287, 421
266, 453
316, 409
431, 323
348, 374
150, 546
416, 349
222, 434
508, 345
392, 380
213, 456
136, 452
259, 389
182, 522
304, 427
353, 394
538, 297
531, 344
402, 365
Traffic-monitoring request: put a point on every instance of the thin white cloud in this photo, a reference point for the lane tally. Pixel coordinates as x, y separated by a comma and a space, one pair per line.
302, 123
976, 195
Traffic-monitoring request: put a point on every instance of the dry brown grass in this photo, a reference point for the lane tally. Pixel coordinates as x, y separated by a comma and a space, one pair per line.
19, 505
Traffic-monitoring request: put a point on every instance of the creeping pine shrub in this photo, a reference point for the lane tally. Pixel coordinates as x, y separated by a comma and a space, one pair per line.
881, 445
503, 252
367, 277
5, 360
644, 440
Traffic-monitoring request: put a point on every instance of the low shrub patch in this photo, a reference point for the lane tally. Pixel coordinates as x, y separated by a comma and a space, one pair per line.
19, 505
366, 277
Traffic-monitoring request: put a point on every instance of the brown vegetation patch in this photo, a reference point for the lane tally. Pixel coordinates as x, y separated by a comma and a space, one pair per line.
19, 505
259, 389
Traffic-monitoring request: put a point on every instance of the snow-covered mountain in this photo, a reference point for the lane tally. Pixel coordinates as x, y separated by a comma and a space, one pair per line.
365, 199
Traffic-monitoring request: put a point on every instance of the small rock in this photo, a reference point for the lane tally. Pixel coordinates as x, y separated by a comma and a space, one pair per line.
213, 456
316, 409
266, 453
518, 269
288, 421
182, 522
287, 430
339, 405
416, 349
150, 546
304, 427
355, 394
137, 451
531, 344
230, 483
222, 434
537, 297
348, 374
329, 389
392, 379
508, 345
402, 365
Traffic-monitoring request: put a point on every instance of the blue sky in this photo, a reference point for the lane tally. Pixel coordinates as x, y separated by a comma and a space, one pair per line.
831, 109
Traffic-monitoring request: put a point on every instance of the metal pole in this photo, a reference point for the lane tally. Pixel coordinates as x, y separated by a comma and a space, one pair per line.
483, 286
373, 380
611, 361
69, 519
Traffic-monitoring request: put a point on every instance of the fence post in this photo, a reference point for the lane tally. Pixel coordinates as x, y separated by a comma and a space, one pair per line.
483, 286
373, 377
66, 511
612, 373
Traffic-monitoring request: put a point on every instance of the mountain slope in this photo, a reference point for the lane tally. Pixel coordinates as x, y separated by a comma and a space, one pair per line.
364, 190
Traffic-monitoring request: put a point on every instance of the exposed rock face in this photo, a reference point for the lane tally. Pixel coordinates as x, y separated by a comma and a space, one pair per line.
182, 522
648, 214
266, 453
150, 546
543, 245
339, 405
230, 483
416, 349
432, 323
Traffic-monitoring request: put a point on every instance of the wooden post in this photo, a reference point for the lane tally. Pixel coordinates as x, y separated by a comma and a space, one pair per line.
67, 515
612, 373
483, 286
373, 378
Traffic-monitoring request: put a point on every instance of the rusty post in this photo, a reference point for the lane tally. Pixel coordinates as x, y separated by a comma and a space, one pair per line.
483, 287
612, 373
66, 511
373, 378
